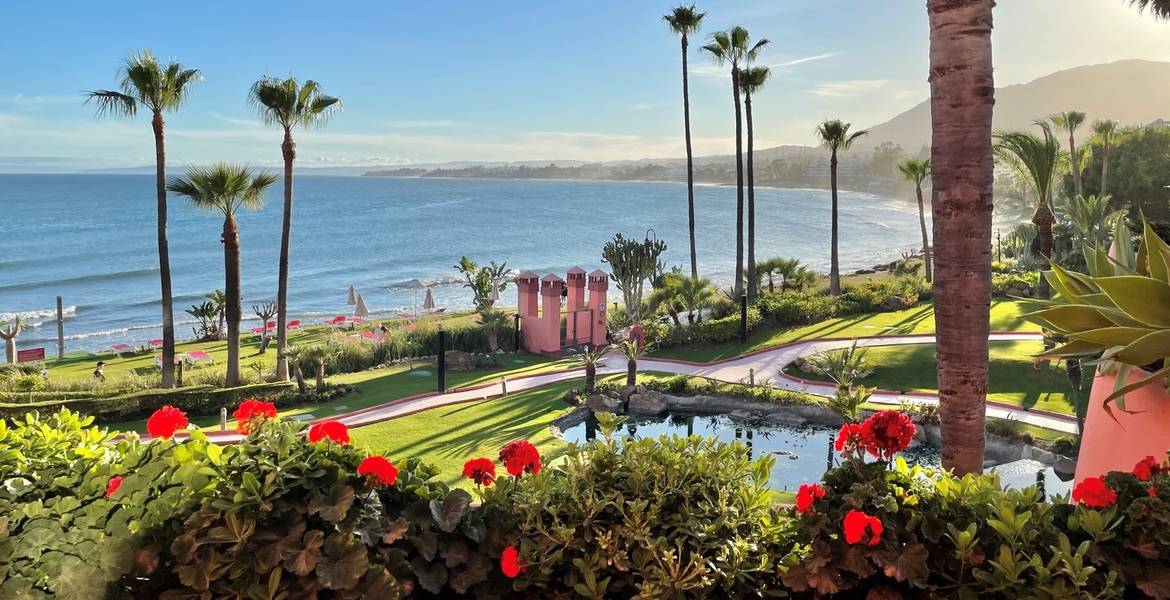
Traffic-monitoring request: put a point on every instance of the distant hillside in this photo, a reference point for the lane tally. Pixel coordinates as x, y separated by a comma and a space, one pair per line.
1134, 92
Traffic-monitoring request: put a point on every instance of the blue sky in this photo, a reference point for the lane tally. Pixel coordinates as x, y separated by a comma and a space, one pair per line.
516, 80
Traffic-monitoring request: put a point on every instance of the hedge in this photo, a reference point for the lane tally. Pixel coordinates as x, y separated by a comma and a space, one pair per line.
202, 400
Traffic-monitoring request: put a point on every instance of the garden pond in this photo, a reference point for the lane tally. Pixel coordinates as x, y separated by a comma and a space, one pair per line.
803, 452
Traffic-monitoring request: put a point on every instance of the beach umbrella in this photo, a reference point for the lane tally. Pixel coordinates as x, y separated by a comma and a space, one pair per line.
361, 310
495, 295
352, 300
416, 285
429, 301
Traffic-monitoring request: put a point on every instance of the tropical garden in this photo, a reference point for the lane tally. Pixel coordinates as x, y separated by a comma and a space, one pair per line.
477, 498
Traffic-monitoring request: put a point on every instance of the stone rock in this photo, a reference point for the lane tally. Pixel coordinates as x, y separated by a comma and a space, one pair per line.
648, 402
601, 403
1064, 466
864, 272
456, 361
894, 303
625, 392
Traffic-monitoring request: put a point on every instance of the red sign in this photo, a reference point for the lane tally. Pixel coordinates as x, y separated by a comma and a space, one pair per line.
30, 355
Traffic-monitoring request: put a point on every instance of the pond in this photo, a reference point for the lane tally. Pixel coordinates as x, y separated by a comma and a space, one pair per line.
803, 452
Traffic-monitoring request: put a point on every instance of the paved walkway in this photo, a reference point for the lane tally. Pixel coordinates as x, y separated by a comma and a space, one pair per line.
766, 364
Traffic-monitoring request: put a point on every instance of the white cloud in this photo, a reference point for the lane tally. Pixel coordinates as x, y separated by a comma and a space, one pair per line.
802, 60
416, 124
896, 89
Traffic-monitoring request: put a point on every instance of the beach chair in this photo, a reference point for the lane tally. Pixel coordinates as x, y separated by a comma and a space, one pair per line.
358, 321
364, 336
272, 326
198, 356
158, 361
257, 331
336, 322
121, 349
293, 326
155, 344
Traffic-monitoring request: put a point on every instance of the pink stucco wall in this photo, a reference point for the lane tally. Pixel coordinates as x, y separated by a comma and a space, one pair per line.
1117, 445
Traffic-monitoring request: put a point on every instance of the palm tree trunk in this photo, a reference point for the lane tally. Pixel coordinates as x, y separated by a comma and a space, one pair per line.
233, 309
690, 160
925, 239
751, 203
288, 149
1104, 165
834, 273
320, 376
632, 371
961, 99
164, 253
1044, 220
302, 389
738, 289
1074, 163
590, 377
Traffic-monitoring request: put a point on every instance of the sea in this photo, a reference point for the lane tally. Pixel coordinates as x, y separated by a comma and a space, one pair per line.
91, 239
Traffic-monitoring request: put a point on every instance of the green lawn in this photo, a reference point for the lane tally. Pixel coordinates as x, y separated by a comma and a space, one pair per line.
1013, 378
449, 436
1005, 316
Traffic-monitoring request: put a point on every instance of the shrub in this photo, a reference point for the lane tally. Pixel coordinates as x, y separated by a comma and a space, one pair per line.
204, 400
870, 296
1067, 446
1010, 429
792, 308
698, 386
1002, 266
727, 329
1002, 282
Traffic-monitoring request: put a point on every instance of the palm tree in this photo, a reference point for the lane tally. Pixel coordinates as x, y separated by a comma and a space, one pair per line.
1069, 121
734, 47
219, 300
787, 270
962, 94
1037, 160
152, 85
590, 357
916, 171
666, 296
1091, 219
632, 350
685, 20
226, 188
1103, 130
695, 294
318, 353
293, 354
1159, 8
493, 320
751, 81
289, 104
835, 136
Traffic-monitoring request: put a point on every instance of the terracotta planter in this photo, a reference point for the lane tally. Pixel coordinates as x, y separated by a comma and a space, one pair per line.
1110, 444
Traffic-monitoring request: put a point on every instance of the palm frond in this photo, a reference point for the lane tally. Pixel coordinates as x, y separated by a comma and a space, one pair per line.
222, 187
915, 170
289, 103
1159, 8
834, 135
753, 79
684, 20
1036, 157
113, 104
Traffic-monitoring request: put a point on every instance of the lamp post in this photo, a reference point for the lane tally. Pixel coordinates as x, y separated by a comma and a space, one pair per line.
441, 361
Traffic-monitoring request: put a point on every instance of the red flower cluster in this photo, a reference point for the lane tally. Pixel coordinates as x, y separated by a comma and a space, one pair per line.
113, 485
329, 430
165, 422
1094, 493
511, 564
251, 413
480, 470
379, 469
520, 457
1149, 467
807, 495
882, 435
858, 525
888, 433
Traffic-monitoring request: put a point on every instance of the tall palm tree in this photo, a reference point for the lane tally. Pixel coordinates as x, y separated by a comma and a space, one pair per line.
1103, 130
962, 94
916, 171
1069, 121
289, 104
493, 320
632, 350
1159, 8
159, 87
835, 136
1090, 218
685, 20
226, 188
751, 81
1037, 159
733, 47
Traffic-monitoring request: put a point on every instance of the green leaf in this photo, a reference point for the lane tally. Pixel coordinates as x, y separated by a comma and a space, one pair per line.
1070, 319
1155, 378
343, 562
1146, 350
301, 554
448, 512
332, 506
1156, 252
474, 572
431, 577
1112, 336
1073, 348
1143, 298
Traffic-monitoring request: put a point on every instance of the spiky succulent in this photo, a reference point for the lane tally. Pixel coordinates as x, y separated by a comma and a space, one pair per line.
1120, 312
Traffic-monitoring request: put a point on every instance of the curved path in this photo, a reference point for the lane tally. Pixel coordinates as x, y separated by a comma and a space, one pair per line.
766, 364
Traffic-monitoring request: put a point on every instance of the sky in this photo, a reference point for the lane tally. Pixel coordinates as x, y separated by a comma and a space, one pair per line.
501, 81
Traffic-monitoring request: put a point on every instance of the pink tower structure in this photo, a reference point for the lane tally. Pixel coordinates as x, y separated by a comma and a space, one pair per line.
562, 300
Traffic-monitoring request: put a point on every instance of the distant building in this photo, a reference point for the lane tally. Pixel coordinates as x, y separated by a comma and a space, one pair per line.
675, 173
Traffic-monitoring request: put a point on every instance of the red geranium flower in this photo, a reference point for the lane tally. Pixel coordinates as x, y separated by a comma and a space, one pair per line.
330, 430
380, 469
520, 457
1147, 468
251, 413
113, 484
1154, 492
511, 564
807, 495
850, 434
480, 470
887, 433
1093, 493
857, 524
165, 422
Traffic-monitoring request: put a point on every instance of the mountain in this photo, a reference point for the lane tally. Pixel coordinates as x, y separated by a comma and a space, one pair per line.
1134, 92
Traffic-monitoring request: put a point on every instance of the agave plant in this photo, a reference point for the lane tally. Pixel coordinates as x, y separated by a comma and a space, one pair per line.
1120, 312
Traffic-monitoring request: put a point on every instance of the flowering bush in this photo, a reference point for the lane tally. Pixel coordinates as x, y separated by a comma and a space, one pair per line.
520, 457
165, 422
334, 431
251, 412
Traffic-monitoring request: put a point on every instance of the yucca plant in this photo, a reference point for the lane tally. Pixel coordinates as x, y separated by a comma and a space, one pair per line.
1119, 314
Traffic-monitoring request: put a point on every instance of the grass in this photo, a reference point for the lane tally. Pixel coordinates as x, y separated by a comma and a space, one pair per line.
1006, 315
1013, 379
449, 436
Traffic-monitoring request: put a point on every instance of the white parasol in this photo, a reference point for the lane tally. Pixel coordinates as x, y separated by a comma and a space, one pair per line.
361, 310
352, 300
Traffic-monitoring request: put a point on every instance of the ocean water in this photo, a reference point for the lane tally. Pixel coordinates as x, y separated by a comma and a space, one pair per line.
91, 240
